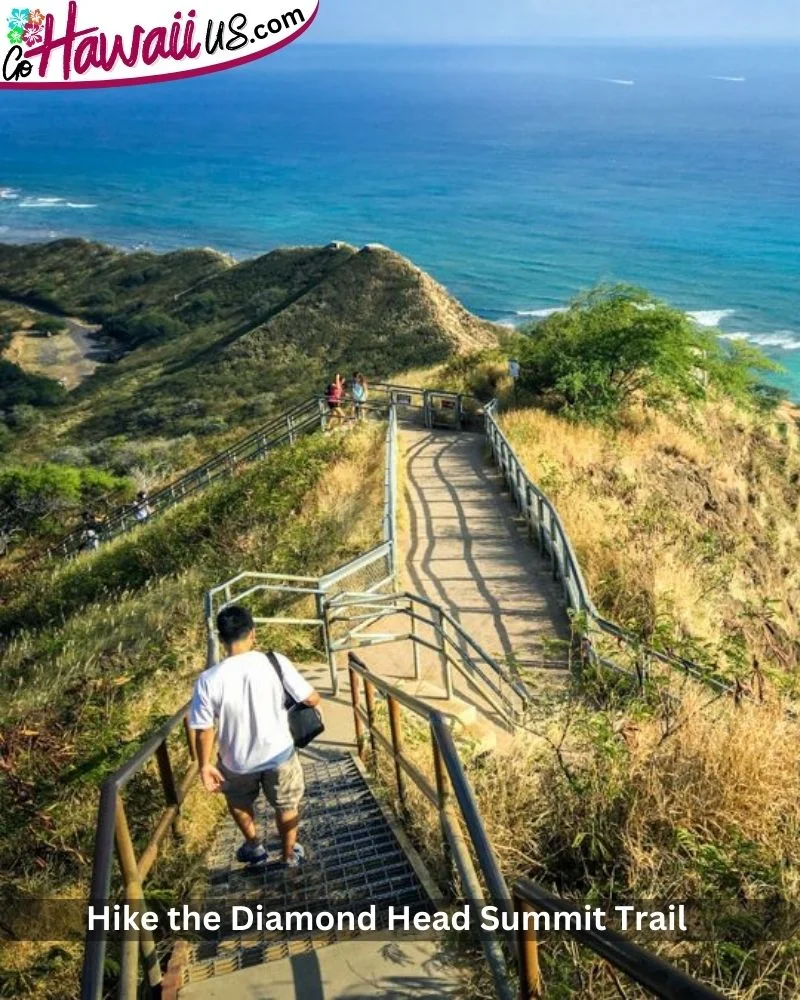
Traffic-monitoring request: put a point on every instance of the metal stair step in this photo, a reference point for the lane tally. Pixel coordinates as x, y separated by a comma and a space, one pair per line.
354, 860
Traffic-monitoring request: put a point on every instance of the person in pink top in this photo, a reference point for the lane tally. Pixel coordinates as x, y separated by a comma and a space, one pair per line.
334, 396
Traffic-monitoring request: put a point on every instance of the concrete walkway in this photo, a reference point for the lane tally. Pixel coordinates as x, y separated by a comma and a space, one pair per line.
467, 551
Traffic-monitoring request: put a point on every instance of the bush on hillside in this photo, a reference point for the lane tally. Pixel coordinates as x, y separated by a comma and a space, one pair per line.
155, 456
618, 344
140, 328
38, 498
20, 387
49, 324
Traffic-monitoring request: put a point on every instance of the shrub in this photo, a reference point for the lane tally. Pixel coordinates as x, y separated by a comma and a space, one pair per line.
49, 324
140, 328
212, 425
24, 417
618, 344
20, 387
35, 498
70, 455
201, 308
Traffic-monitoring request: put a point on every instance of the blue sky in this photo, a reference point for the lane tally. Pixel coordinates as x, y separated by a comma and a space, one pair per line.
431, 21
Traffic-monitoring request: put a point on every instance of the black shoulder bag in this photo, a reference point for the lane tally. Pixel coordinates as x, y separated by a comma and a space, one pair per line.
305, 722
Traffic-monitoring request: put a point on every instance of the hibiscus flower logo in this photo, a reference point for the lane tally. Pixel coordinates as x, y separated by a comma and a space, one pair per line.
20, 16
33, 34
15, 36
36, 17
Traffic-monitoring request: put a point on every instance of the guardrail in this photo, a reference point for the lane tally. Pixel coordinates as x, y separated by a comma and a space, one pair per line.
373, 570
450, 789
113, 831
653, 974
452, 644
433, 408
451, 794
284, 429
547, 531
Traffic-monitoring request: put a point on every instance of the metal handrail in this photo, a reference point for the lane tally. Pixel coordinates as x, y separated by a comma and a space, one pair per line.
444, 625
651, 972
447, 765
647, 969
546, 525
112, 830
280, 430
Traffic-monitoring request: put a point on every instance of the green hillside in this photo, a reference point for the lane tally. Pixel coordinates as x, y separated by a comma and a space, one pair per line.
207, 349
115, 650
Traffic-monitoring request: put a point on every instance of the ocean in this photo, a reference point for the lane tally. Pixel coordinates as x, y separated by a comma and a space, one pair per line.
517, 175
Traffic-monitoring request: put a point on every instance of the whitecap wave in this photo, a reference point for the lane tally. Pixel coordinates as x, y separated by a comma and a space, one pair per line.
48, 203
619, 83
730, 79
8, 194
786, 340
540, 313
710, 317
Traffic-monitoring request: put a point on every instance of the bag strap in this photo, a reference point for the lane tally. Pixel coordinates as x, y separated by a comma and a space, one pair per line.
288, 700
276, 663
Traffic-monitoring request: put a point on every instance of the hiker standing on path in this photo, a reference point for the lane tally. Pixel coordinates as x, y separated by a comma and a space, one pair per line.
245, 696
141, 508
92, 526
359, 391
334, 396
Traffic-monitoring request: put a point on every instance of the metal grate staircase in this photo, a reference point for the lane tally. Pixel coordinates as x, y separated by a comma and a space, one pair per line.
356, 858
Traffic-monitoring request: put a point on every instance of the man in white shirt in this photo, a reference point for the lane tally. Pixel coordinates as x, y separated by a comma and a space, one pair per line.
245, 697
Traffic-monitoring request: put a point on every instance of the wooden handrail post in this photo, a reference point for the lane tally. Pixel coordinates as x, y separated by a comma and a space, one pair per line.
134, 894
530, 977
190, 738
396, 726
167, 775
355, 698
443, 793
369, 694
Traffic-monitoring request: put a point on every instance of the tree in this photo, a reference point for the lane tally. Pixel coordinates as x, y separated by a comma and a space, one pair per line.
21, 387
38, 499
616, 344
49, 324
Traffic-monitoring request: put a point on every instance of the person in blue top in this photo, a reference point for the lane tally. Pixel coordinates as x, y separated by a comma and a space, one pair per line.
359, 392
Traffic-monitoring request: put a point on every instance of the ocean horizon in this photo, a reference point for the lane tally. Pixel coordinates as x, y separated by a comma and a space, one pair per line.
517, 176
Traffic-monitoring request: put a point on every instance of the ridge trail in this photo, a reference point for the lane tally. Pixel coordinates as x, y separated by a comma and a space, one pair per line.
467, 550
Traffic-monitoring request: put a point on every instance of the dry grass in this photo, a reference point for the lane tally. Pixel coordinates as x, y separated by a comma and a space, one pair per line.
686, 527
704, 807
85, 691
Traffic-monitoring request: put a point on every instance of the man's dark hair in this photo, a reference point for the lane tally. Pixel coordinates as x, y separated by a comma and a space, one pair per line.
234, 623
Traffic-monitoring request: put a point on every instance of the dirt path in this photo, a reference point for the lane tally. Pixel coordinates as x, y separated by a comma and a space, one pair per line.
70, 356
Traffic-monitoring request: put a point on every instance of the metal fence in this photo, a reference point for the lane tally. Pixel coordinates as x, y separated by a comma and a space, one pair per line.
427, 626
284, 429
113, 832
547, 531
368, 573
473, 859
428, 407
